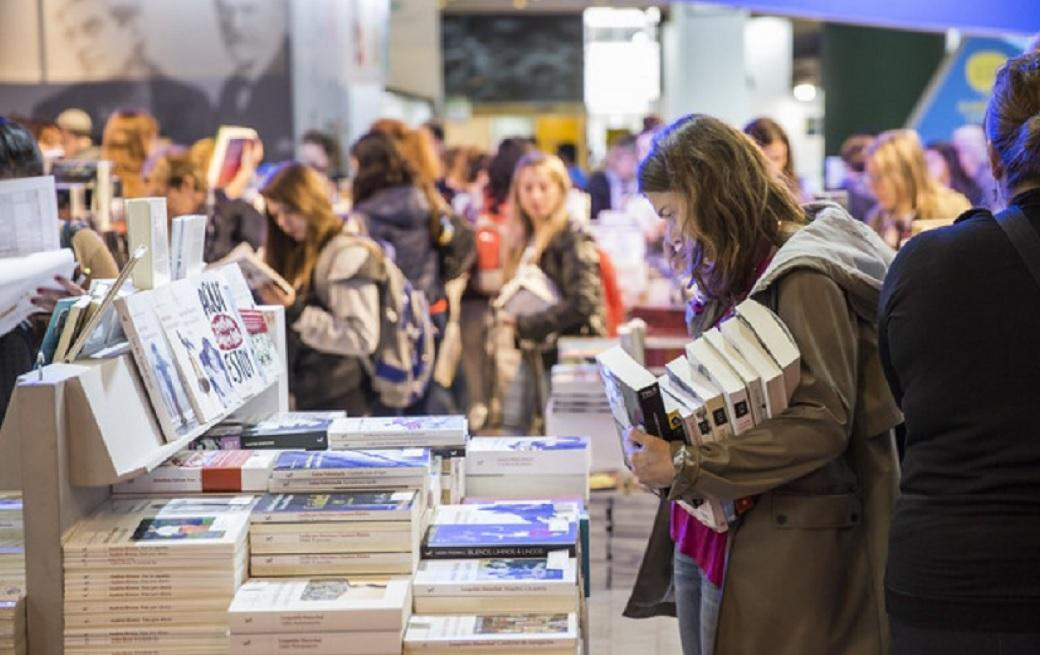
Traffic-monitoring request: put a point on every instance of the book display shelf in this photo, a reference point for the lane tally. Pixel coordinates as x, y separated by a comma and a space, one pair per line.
72, 431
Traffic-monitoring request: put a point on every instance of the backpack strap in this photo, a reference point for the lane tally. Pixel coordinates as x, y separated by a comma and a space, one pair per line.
1022, 235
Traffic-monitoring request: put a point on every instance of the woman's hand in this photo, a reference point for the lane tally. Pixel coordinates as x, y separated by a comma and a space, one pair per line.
45, 299
506, 319
651, 459
272, 294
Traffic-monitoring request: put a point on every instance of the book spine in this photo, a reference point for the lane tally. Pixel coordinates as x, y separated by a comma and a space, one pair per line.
302, 441
655, 418
563, 462
144, 367
477, 589
299, 622
356, 442
332, 517
331, 643
484, 552
413, 474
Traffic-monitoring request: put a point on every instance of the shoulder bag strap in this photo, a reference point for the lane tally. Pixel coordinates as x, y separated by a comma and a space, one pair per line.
1022, 235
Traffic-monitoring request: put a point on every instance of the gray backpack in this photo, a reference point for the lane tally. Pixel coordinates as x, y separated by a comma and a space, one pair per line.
402, 365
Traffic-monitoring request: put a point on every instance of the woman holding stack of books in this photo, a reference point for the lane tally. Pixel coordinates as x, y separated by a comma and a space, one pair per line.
800, 570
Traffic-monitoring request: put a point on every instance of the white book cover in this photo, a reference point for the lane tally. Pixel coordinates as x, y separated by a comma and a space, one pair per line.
708, 362
519, 632
739, 335
265, 348
254, 271
333, 564
693, 381
317, 643
206, 471
541, 455
215, 297
690, 411
512, 512
747, 374
399, 431
177, 536
146, 226
198, 360
28, 216
187, 243
359, 506
321, 605
776, 338
552, 575
157, 365
342, 537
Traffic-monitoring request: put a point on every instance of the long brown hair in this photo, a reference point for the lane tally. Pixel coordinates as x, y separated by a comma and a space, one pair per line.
733, 206
765, 131
126, 142
418, 150
899, 156
522, 223
299, 189
1013, 120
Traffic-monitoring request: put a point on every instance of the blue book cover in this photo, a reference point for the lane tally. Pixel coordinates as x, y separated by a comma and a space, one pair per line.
550, 443
55, 326
399, 459
10, 504
531, 513
501, 540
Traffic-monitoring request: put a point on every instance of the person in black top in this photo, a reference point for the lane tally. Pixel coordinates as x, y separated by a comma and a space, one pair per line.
960, 344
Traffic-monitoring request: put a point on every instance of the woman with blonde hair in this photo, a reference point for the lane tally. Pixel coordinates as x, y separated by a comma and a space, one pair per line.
799, 571
909, 199
128, 139
333, 313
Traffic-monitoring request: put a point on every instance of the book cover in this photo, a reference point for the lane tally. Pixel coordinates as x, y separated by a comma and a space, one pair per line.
519, 632
261, 337
410, 463
205, 472
747, 374
742, 338
776, 338
708, 362
519, 512
230, 336
496, 577
687, 413
542, 455
320, 605
400, 431
454, 541
317, 643
254, 271
28, 216
228, 148
74, 318
166, 388
187, 243
333, 564
146, 226
358, 506
55, 327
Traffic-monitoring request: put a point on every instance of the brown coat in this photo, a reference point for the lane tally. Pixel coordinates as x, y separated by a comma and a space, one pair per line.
806, 563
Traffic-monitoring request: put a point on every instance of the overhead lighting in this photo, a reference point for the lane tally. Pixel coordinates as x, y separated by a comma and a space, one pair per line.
805, 92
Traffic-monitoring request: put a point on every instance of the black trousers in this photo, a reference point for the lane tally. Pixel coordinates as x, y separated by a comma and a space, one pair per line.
911, 640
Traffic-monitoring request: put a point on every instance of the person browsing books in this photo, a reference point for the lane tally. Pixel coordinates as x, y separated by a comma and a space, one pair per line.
334, 314
799, 571
964, 561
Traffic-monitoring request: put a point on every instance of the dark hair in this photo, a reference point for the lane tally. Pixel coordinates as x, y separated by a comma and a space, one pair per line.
651, 122
329, 146
960, 181
501, 168
568, 152
628, 142
765, 131
733, 206
854, 151
1013, 120
182, 168
478, 163
436, 129
380, 166
19, 154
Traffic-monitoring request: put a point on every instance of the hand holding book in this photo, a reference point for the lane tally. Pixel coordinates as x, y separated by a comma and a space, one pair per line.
272, 294
651, 458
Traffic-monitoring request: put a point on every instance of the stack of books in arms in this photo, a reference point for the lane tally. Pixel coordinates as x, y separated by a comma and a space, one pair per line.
445, 436
280, 431
507, 468
155, 575
321, 616
498, 577
310, 525
730, 380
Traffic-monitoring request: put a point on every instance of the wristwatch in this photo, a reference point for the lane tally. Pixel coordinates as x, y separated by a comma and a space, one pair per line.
679, 459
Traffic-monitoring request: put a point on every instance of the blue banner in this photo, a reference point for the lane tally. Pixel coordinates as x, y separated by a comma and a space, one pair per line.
961, 88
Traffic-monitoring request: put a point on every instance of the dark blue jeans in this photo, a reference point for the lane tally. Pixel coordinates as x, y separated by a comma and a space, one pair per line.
911, 640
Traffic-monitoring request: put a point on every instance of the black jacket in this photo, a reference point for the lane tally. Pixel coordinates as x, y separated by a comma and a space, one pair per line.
572, 262
230, 223
399, 217
599, 193
960, 343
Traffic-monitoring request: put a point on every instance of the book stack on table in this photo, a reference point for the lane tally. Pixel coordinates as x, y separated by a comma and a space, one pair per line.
578, 405
206, 471
342, 513
155, 575
280, 431
321, 616
445, 436
12, 541
510, 468
12, 621
494, 573
632, 520
599, 538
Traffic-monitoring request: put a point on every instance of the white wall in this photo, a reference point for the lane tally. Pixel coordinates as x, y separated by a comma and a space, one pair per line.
415, 49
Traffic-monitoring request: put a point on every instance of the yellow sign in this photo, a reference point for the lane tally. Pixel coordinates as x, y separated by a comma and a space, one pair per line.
981, 70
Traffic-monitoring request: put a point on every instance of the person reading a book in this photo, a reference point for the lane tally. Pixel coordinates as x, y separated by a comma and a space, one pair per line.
960, 342
898, 175
334, 314
798, 572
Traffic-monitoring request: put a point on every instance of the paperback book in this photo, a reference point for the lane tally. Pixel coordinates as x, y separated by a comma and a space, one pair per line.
146, 226
501, 540
223, 471
399, 464
281, 431
487, 586
528, 455
707, 361
508, 633
260, 335
690, 380
776, 339
743, 339
394, 563
212, 294
757, 397
354, 506
399, 432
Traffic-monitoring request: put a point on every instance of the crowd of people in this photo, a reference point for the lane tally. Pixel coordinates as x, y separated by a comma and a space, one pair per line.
805, 571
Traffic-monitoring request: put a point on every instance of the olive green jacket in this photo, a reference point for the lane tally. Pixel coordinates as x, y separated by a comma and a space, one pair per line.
806, 563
